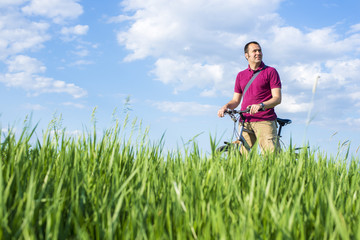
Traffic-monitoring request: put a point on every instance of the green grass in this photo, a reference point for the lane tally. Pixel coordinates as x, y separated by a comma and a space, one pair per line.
121, 186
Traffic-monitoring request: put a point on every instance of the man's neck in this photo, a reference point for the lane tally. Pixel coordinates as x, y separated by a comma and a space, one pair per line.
254, 66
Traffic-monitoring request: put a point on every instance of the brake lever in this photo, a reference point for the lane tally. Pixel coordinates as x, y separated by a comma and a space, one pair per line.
233, 118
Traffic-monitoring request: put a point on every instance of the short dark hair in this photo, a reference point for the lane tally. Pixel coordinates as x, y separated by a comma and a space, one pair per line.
246, 48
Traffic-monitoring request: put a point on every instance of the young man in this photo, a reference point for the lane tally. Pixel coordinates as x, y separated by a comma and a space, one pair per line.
261, 97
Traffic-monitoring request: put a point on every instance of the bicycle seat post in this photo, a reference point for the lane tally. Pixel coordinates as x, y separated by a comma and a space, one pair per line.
282, 122
279, 132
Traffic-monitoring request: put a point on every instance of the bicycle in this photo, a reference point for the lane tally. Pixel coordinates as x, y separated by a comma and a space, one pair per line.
237, 116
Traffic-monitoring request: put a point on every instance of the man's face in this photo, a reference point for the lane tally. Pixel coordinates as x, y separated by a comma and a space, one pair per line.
254, 54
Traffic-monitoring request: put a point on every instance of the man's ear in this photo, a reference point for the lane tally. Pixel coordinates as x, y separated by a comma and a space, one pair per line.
246, 56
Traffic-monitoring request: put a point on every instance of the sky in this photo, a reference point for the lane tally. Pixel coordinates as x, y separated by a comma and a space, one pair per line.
176, 63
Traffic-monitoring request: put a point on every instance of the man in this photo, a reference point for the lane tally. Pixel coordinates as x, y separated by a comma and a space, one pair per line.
261, 97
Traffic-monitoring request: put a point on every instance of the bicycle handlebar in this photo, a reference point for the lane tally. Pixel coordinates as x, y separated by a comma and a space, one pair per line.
232, 113
240, 112
229, 111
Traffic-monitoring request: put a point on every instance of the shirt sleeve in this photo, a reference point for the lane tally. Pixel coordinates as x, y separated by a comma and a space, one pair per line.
237, 87
275, 81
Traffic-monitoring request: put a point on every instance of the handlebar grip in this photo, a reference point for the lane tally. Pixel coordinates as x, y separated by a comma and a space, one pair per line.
230, 111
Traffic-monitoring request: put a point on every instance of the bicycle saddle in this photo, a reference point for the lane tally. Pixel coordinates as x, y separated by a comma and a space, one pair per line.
283, 122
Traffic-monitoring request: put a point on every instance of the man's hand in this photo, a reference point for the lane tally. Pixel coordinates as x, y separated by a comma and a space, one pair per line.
232, 104
254, 108
222, 111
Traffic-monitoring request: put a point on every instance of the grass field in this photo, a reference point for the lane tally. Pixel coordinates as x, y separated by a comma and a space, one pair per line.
121, 186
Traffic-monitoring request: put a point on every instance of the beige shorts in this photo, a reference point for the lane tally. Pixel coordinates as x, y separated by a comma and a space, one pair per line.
265, 132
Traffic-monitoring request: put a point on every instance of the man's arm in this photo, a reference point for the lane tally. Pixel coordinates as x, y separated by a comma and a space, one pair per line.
271, 103
232, 104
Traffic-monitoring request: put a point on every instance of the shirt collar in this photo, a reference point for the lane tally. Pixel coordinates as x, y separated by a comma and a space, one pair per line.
262, 65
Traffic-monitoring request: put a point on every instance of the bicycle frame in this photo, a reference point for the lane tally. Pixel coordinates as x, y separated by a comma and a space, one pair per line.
237, 116
239, 134
240, 140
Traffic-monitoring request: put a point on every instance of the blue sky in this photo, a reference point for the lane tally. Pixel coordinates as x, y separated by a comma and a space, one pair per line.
177, 61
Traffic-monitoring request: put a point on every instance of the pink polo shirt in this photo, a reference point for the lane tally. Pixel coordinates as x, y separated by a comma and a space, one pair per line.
259, 91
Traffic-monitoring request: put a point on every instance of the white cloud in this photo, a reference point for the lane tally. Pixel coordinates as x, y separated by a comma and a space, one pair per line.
21, 34
82, 62
290, 45
75, 105
161, 27
353, 122
7, 3
293, 104
82, 52
333, 74
18, 34
75, 30
34, 107
354, 28
186, 108
58, 10
356, 97
183, 74
24, 72
73, 33
301, 76
338, 83
119, 19
23, 63
344, 71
